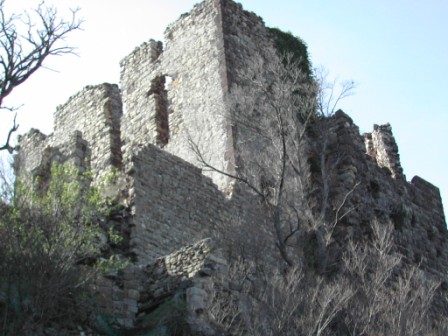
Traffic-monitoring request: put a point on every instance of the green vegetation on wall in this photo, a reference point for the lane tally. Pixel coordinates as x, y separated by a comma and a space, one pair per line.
287, 43
50, 239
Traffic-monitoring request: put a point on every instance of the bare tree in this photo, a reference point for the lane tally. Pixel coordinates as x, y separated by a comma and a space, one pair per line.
278, 303
6, 181
274, 108
392, 297
26, 40
377, 294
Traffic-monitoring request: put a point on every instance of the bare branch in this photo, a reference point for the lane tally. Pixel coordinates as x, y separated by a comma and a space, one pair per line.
22, 54
7, 146
206, 164
331, 92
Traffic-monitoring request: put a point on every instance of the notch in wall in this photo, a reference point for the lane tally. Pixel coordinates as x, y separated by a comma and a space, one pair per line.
159, 91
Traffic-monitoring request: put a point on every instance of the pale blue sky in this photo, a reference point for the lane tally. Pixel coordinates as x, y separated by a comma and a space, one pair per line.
396, 51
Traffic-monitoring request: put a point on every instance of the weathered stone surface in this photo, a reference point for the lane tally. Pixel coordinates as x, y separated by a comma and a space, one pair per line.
180, 92
381, 146
86, 133
138, 290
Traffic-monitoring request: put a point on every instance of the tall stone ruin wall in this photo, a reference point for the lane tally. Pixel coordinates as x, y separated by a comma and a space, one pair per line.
183, 91
173, 204
193, 61
207, 53
180, 94
381, 146
414, 208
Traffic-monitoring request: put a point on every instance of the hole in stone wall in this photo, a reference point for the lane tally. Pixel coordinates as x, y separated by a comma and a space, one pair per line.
112, 116
159, 90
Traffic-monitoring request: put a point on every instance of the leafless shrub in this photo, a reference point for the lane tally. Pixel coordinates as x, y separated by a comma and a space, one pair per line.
392, 298
279, 303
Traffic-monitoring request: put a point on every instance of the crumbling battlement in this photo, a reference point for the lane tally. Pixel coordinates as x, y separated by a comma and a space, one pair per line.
31, 148
96, 112
381, 146
415, 207
180, 94
86, 133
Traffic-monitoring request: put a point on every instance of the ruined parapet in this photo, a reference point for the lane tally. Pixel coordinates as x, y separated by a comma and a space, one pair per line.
381, 146
30, 150
36, 154
95, 111
86, 134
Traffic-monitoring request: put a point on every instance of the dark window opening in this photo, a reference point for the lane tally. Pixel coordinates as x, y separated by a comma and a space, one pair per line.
160, 93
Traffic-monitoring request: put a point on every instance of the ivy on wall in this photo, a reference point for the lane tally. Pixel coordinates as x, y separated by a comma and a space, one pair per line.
287, 43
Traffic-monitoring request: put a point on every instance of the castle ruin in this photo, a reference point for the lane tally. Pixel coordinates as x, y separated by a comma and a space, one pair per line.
179, 93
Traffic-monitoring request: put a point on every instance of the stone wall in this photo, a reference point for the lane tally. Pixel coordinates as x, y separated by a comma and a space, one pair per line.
193, 61
184, 94
173, 203
414, 208
250, 59
381, 146
188, 273
86, 134
95, 111
37, 153
31, 148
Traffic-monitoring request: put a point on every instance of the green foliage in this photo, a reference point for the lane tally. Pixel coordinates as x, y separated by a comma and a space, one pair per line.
287, 43
114, 237
50, 250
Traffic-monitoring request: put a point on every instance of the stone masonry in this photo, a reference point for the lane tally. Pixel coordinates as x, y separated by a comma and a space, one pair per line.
177, 94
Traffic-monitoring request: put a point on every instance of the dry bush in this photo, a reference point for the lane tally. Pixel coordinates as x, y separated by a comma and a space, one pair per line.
392, 298
278, 303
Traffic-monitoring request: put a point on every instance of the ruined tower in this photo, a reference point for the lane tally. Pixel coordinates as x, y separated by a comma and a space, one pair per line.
178, 95
175, 98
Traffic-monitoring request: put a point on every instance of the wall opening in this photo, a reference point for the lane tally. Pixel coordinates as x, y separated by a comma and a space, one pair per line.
159, 90
112, 113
